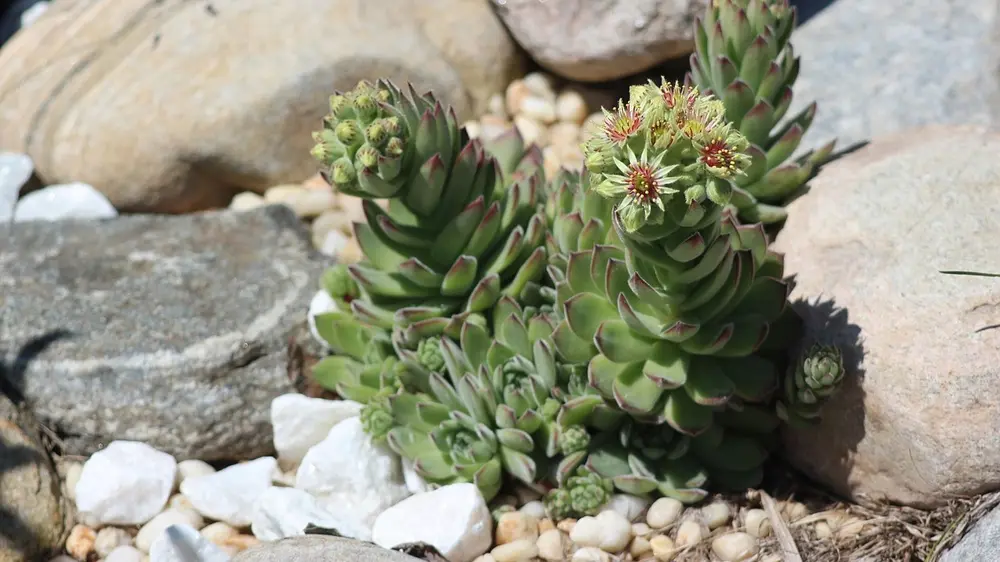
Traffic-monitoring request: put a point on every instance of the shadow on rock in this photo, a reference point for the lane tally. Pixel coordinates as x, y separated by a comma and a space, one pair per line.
825, 322
12, 373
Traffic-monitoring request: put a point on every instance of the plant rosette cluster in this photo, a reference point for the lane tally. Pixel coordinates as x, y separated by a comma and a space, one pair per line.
613, 329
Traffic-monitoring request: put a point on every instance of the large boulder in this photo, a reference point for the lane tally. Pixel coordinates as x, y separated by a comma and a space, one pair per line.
172, 331
596, 41
174, 106
34, 517
877, 68
916, 422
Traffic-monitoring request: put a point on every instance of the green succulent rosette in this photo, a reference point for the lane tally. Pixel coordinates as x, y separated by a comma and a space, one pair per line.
810, 382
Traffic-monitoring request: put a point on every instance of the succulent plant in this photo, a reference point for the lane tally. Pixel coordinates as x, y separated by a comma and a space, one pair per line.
337, 282
583, 493
743, 56
810, 381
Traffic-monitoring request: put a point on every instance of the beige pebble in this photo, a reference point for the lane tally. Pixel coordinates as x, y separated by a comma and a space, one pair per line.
551, 545
735, 547
316, 181
663, 548
241, 542
823, 530
80, 542
689, 533
73, 472
513, 96
663, 512
307, 203
571, 157
495, 105
218, 532
609, 530
639, 546
564, 134
571, 107
193, 467
591, 554
545, 525
793, 511
532, 131
538, 109
593, 121
492, 126
245, 201
516, 551
485, 558
550, 161
125, 554
715, 515
516, 525
473, 128
540, 84
181, 501
110, 538
155, 526
641, 530
850, 528
757, 523
566, 525
335, 219
534, 508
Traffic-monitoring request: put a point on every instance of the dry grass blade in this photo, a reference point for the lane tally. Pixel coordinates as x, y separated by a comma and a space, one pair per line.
789, 552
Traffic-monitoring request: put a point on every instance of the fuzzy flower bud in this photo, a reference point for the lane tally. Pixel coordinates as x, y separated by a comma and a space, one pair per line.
348, 132
339, 105
376, 418
574, 438
429, 355
582, 494
367, 156
342, 172
376, 134
395, 147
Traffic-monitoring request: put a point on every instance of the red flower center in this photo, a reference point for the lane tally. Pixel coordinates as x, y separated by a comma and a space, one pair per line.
642, 184
621, 124
717, 154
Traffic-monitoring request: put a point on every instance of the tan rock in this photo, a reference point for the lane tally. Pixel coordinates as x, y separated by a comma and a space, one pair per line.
80, 542
871, 236
594, 41
171, 107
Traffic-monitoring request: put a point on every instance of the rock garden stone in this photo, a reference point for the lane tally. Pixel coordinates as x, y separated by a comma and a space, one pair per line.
183, 543
285, 512
908, 426
126, 483
65, 201
231, 78
597, 41
15, 171
299, 422
981, 542
172, 331
320, 548
34, 517
230, 494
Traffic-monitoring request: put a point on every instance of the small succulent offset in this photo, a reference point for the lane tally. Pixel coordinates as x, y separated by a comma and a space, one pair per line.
615, 328
743, 57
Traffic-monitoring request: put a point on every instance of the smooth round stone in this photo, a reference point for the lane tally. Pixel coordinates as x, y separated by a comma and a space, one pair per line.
663, 548
689, 533
564, 134
245, 201
638, 547
735, 547
516, 525
664, 512
80, 542
550, 545
571, 107
496, 105
715, 515
532, 131
540, 84
125, 554
539, 109
757, 523
520, 550
187, 469
219, 533
609, 531
591, 554
513, 96
473, 128
110, 538
157, 525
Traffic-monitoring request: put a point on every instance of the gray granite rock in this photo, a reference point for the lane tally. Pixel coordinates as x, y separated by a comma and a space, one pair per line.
170, 330
34, 517
880, 67
981, 542
320, 548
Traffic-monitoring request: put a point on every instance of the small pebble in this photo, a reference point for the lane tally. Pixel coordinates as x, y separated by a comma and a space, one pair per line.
125, 554
545, 525
823, 530
850, 528
793, 511
193, 467
609, 531
241, 542
473, 129
540, 84
641, 530
566, 525
735, 547
591, 554
246, 201
335, 219
110, 538
689, 533
630, 507
639, 546
306, 203
571, 107
513, 96
492, 126
516, 525
535, 509
564, 134
539, 109
333, 243
154, 528
532, 131
550, 545
80, 542
485, 558
495, 105
73, 471
181, 501
663, 548
757, 523
219, 532
516, 551
664, 512
715, 515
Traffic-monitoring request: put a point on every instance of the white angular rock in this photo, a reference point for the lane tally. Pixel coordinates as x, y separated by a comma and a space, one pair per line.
351, 475
126, 483
453, 518
230, 494
300, 422
64, 201
151, 531
414, 482
32, 14
15, 170
285, 512
321, 303
183, 543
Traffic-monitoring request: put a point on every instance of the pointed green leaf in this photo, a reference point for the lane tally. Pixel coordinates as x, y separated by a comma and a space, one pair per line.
618, 343
684, 415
